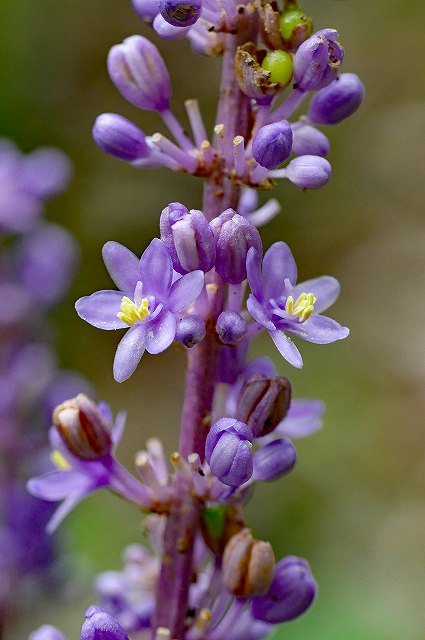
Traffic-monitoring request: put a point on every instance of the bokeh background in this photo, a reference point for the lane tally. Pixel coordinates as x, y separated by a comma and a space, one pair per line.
354, 506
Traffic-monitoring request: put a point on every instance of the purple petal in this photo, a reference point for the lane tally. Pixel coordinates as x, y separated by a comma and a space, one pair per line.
57, 485
319, 329
325, 289
129, 353
303, 418
101, 309
156, 269
118, 429
122, 265
160, 333
185, 290
253, 270
64, 508
278, 264
259, 314
287, 348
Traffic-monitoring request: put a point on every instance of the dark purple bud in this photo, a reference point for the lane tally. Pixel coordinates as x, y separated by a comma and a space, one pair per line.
235, 235
309, 141
231, 327
83, 428
188, 237
309, 172
119, 137
318, 60
139, 73
228, 451
248, 565
190, 330
291, 593
274, 460
99, 625
338, 100
272, 144
46, 632
146, 9
180, 13
263, 402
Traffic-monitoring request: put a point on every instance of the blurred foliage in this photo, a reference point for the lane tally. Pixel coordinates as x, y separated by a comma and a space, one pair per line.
354, 505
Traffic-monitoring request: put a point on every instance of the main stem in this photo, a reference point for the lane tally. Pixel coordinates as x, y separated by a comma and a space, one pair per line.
220, 193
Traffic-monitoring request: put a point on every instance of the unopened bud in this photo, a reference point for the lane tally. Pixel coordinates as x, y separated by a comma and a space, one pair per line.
82, 428
100, 625
263, 402
308, 141
309, 172
180, 13
228, 451
274, 460
231, 327
318, 60
248, 565
272, 144
338, 100
190, 330
119, 137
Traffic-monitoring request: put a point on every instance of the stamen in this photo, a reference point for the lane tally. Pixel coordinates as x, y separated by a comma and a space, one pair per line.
302, 308
131, 313
60, 461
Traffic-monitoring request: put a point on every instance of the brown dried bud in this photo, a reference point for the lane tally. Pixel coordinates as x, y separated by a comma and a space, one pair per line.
263, 402
248, 565
82, 428
270, 28
253, 80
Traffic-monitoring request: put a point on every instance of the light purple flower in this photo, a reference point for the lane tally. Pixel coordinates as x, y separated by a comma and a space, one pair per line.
281, 306
146, 304
304, 418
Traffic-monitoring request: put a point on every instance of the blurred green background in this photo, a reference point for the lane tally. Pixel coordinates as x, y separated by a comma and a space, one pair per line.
354, 506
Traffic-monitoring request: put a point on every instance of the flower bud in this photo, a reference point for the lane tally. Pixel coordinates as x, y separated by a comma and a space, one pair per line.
82, 428
309, 172
338, 100
295, 28
100, 625
180, 13
280, 67
291, 592
231, 327
235, 235
146, 9
167, 31
248, 565
318, 60
139, 73
228, 451
46, 632
274, 460
272, 144
309, 141
190, 330
188, 237
263, 402
119, 137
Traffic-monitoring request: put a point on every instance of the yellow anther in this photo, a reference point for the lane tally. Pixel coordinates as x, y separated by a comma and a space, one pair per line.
302, 308
59, 460
131, 313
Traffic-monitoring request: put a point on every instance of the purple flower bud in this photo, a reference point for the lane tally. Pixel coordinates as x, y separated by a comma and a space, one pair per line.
291, 593
228, 451
309, 172
338, 100
235, 235
231, 327
272, 144
99, 625
119, 137
146, 9
139, 73
263, 402
190, 330
273, 460
180, 13
82, 428
188, 237
309, 141
248, 565
167, 31
46, 632
318, 60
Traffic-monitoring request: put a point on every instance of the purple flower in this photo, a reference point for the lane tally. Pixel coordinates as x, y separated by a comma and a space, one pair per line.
146, 304
272, 144
46, 632
282, 307
231, 327
318, 60
100, 625
308, 141
274, 460
309, 172
228, 451
338, 100
303, 419
119, 137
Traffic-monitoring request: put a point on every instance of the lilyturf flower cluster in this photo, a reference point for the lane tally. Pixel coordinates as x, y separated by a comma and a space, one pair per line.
37, 262
207, 283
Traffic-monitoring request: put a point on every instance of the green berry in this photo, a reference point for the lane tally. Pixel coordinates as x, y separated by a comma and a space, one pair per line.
279, 64
292, 21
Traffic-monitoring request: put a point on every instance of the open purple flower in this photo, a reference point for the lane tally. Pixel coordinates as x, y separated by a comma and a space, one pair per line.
146, 304
282, 307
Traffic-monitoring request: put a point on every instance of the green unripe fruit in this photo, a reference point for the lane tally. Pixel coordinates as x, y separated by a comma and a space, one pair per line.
295, 27
279, 64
